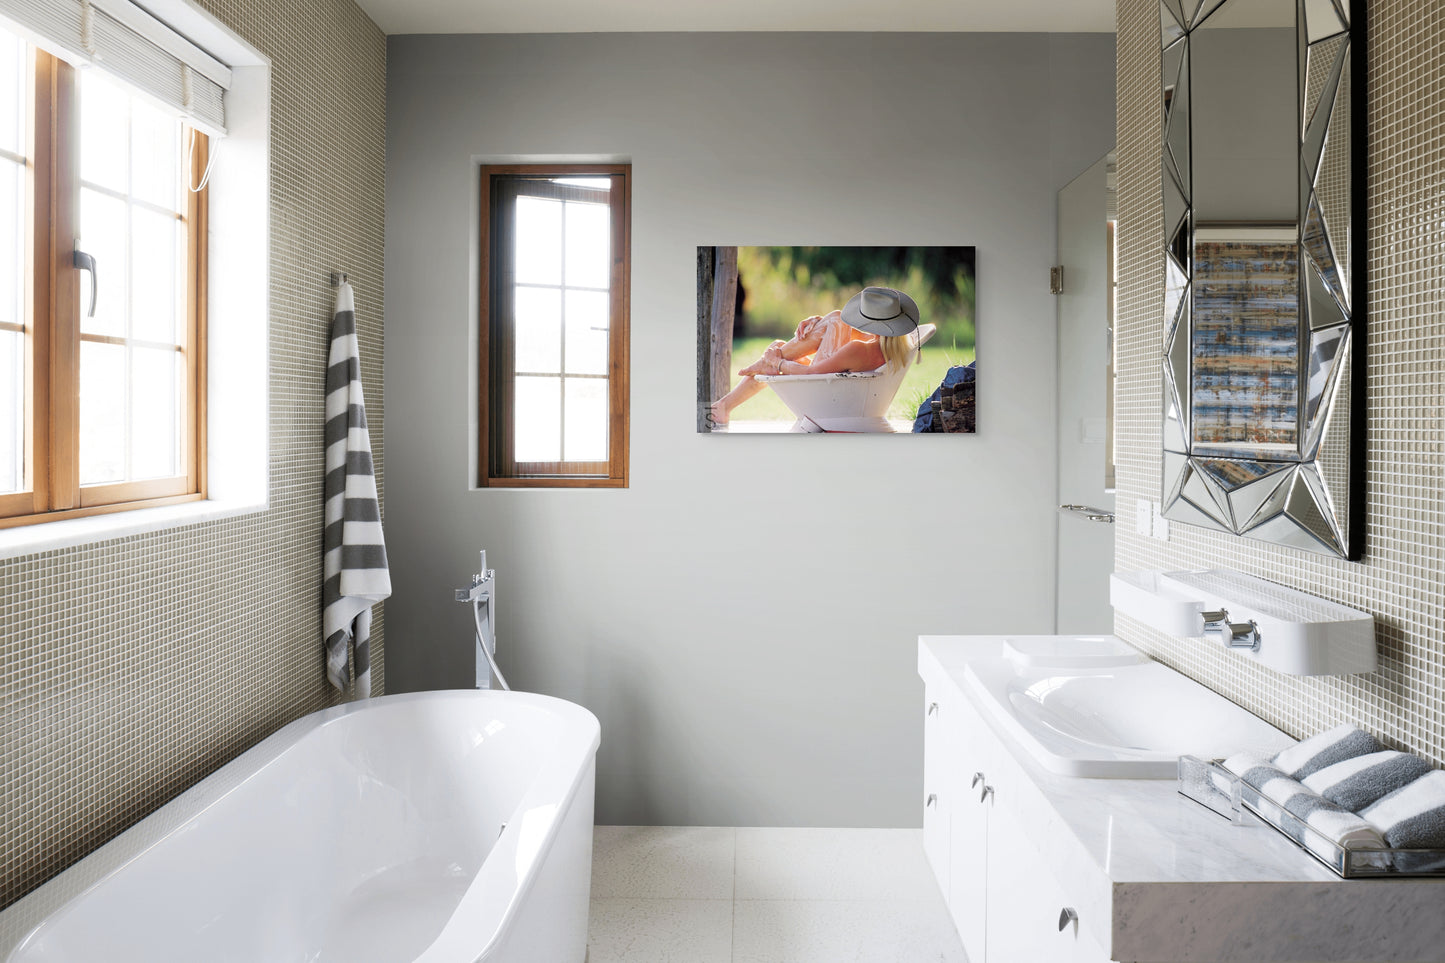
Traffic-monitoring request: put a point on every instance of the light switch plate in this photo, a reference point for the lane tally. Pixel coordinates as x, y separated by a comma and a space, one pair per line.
1159, 525
1143, 517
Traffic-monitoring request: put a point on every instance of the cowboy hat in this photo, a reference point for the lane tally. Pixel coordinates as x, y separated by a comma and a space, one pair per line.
882, 311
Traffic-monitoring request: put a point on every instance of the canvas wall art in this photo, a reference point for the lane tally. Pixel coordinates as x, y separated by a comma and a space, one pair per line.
836, 339
1246, 377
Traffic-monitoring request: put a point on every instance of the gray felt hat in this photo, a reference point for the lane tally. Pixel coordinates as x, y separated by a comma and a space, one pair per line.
881, 311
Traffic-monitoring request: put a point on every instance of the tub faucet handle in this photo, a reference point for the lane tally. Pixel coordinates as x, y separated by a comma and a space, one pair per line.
1214, 619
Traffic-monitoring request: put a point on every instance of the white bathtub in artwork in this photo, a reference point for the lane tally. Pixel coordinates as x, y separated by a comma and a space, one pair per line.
446, 827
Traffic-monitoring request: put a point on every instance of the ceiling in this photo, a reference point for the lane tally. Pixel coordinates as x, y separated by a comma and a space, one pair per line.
602, 16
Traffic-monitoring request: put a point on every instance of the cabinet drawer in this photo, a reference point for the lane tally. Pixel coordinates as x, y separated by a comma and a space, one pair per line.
1026, 902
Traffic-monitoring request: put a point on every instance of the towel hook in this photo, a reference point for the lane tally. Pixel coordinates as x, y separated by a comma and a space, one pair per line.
338, 278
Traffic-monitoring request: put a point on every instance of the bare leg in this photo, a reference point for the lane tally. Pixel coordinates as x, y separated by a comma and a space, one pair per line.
723, 407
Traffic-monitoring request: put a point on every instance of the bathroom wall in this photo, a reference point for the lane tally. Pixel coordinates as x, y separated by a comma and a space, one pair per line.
743, 618
1399, 579
132, 668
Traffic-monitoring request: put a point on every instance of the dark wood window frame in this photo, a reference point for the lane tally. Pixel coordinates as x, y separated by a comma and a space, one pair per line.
496, 466
52, 489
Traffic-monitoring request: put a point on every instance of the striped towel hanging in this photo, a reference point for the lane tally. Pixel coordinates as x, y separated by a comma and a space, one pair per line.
354, 569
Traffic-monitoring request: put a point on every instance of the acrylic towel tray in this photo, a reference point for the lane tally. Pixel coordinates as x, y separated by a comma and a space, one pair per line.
1211, 785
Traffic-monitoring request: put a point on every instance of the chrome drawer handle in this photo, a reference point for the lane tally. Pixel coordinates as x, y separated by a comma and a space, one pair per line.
977, 778
932, 799
932, 708
1066, 916
987, 791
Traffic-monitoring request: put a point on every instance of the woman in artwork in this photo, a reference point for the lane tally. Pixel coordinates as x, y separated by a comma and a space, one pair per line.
871, 330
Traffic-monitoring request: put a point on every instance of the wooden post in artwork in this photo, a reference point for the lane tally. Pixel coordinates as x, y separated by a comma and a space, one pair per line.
705, 257
724, 300
717, 291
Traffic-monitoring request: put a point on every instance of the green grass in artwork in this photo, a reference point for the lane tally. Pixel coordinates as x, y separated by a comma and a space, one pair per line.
925, 375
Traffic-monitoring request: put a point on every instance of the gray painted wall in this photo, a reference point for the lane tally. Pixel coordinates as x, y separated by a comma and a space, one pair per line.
743, 619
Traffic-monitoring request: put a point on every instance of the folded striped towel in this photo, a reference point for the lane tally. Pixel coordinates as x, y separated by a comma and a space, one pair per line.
1337, 824
1413, 817
1249, 766
1253, 768
1331, 746
354, 570
1358, 782
1278, 794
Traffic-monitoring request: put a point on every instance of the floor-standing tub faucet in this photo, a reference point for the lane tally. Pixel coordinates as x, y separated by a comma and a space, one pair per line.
481, 594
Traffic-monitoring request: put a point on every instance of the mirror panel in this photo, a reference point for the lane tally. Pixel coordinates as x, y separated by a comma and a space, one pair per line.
1170, 29
1259, 325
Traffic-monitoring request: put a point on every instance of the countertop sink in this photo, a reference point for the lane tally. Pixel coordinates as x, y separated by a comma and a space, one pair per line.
1129, 721
1070, 651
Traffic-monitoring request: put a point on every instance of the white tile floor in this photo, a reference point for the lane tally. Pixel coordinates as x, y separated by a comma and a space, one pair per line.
722, 895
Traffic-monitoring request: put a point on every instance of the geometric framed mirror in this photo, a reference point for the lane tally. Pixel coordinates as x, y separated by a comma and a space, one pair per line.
1264, 268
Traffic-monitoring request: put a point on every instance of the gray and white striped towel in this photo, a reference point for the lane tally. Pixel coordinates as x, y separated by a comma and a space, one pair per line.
1413, 817
1279, 794
1358, 782
1304, 759
354, 569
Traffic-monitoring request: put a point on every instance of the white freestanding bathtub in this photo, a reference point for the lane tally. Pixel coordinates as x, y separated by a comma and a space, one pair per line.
446, 827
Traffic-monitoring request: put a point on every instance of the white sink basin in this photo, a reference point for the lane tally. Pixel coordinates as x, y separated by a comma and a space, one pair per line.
1070, 651
1122, 722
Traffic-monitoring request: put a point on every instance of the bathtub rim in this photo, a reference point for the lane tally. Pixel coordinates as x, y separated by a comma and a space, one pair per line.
48, 902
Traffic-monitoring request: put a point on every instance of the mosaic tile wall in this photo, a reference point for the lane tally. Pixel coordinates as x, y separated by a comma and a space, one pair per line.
1399, 579
132, 668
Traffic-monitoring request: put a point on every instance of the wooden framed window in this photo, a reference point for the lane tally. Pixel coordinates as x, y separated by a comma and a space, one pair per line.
102, 294
554, 325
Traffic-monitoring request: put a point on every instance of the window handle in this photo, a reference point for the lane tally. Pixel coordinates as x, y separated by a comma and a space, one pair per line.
86, 262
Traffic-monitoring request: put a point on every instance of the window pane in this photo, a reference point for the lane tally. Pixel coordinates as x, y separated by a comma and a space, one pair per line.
104, 132
156, 243
155, 148
153, 429
538, 329
589, 244
537, 420
103, 234
12, 92
12, 242
539, 241
102, 413
587, 332
12, 410
586, 419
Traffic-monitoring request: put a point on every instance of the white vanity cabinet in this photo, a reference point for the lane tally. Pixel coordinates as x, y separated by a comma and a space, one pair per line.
1002, 895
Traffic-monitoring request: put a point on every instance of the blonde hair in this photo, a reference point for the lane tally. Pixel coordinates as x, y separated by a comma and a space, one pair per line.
896, 349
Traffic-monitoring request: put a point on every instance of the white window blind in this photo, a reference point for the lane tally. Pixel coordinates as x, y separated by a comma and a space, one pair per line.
132, 45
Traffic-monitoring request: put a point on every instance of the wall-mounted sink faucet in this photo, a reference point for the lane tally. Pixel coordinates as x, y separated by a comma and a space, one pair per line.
1236, 635
1307, 635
